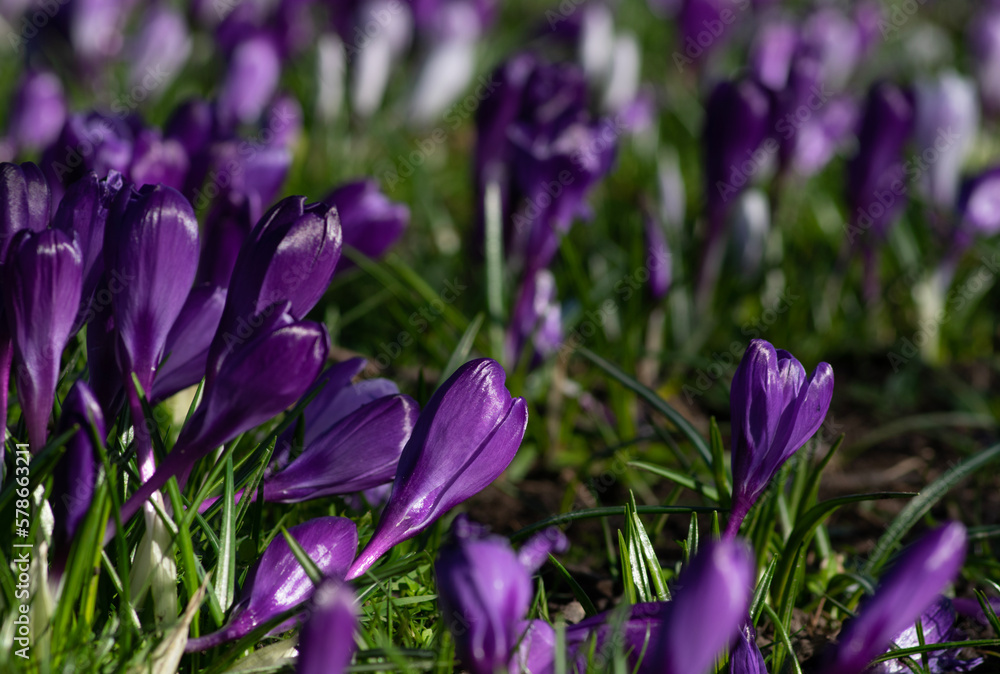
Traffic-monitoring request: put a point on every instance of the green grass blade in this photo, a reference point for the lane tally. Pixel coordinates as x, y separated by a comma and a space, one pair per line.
461, 353
719, 464
595, 513
578, 591
658, 403
225, 576
919, 506
682, 479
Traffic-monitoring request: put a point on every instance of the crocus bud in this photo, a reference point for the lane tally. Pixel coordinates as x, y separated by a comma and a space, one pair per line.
329, 464
913, 583
277, 582
837, 41
289, 256
658, 258
746, 658
42, 281
875, 188
83, 212
252, 78
75, 476
536, 318
370, 221
192, 125
704, 17
947, 120
326, 640
151, 240
772, 52
38, 110
465, 437
186, 348
775, 410
259, 379
736, 121
88, 142
707, 610
937, 624
485, 591
373, 58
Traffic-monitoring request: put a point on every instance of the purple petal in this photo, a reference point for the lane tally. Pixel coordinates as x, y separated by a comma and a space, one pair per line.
156, 160
913, 583
226, 228
535, 652
186, 348
252, 78
329, 465
609, 633
43, 277
746, 657
536, 551
152, 246
979, 204
326, 640
947, 121
709, 606
463, 440
371, 222
159, 49
24, 202
937, 623
278, 582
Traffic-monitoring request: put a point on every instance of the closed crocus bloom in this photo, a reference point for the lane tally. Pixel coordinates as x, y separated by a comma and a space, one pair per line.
186, 348
24, 202
984, 44
329, 464
251, 80
95, 28
657, 258
496, 114
818, 139
736, 121
191, 124
88, 142
371, 222
373, 55
536, 318
42, 280
705, 26
83, 212
151, 239
485, 591
277, 582
326, 640
877, 169
913, 583
745, 657
259, 379
463, 440
775, 410
75, 476
837, 41
937, 624
289, 256
947, 121
772, 52
38, 110
707, 610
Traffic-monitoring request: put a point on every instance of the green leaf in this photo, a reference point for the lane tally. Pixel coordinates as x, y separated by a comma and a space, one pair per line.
308, 565
225, 581
919, 506
594, 513
493, 245
658, 403
806, 526
578, 591
461, 353
680, 478
719, 464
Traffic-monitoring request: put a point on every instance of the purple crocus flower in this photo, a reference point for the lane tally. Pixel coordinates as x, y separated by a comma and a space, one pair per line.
289, 256
658, 257
326, 640
159, 49
42, 280
260, 378
186, 348
227, 225
370, 221
536, 318
875, 176
75, 476
978, 208
83, 213
485, 591
88, 142
937, 623
947, 120
772, 53
465, 437
634, 637
705, 26
328, 465
775, 410
156, 160
277, 582
151, 240
38, 110
913, 583
708, 607
837, 41
745, 657
251, 81
24, 205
